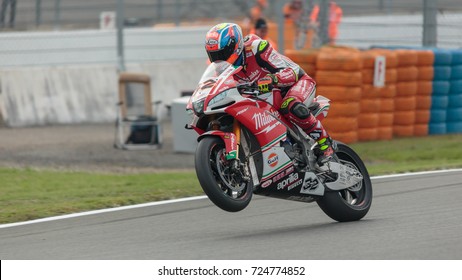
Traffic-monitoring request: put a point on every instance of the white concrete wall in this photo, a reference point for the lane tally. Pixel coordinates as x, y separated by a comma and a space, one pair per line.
84, 94
71, 77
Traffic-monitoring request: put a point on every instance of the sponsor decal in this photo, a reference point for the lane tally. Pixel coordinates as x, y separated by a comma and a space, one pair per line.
310, 185
273, 160
242, 111
283, 174
275, 113
292, 181
296, 184
253, 74
211, 42
221, 26
286, 74
262, 120
266, 183
262, 45
315, 134
286, 102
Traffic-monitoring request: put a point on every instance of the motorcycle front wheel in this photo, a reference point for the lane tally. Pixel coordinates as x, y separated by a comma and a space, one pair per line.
221, 180
351, 204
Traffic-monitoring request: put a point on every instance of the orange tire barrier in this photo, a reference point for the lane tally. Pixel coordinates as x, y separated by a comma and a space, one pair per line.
368, 58
424, 102
403, 130
340, 124
425, 70
388, 91
405, 103
406, 57
338, 78
386, 119
387, 105
345, 137
406, 88
341, 109
370, 105
368, 120
424, 88
310, 69
391, 76
367, 76
408, 73
422, 116
425, 73
340, 94
404, 118
369, 91
303, 56
390, 56
425, 58
421, 129
368, 134
339, 60
385, 132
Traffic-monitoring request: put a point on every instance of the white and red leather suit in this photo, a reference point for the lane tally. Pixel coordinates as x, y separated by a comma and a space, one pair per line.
293, 84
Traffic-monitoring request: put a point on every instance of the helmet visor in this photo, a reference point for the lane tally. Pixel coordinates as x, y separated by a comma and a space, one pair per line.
222, 54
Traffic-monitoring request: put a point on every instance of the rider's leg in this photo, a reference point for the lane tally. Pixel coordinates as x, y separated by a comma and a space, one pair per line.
293, 107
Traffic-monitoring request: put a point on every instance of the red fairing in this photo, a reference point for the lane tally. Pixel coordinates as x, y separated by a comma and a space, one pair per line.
259, 120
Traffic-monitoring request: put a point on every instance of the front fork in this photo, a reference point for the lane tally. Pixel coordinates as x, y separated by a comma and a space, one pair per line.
231, 140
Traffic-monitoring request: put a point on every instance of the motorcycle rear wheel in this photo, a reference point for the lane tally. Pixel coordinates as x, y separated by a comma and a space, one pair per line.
222, 183
353, 203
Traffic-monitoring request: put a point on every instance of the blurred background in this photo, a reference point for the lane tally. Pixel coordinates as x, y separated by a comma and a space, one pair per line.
60, 59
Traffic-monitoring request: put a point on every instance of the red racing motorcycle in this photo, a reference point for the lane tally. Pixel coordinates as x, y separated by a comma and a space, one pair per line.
246, 147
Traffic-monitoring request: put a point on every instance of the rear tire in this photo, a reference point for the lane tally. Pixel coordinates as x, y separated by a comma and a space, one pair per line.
221, 183
353, 203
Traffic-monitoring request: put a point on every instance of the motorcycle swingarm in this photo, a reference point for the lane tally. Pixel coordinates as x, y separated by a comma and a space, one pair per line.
347, 177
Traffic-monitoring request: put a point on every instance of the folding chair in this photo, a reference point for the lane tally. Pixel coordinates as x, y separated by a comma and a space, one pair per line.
135, 130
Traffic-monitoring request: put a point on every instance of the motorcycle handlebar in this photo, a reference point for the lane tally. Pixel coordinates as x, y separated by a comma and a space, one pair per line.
248, 88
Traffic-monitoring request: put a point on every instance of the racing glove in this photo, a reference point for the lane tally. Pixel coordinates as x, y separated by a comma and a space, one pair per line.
267, 83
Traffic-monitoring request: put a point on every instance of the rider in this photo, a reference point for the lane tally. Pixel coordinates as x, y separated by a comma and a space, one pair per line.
264, 65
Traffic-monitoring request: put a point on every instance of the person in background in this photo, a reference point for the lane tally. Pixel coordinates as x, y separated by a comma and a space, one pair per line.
261, 30
335, 16
293, 11
12, 4
253, 15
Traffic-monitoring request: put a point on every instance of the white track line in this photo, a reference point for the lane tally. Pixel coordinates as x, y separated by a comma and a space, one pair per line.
62, 217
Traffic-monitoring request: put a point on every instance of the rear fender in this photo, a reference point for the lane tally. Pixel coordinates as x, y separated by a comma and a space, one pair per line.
228, 138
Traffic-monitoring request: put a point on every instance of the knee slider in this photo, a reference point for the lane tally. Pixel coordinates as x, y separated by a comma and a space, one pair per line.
300, 111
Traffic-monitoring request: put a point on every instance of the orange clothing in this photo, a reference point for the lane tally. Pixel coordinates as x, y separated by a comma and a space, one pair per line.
335, 16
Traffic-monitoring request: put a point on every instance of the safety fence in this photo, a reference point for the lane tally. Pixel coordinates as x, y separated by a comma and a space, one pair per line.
421, 94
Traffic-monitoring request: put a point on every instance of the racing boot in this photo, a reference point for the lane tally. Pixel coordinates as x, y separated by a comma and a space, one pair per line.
324, 150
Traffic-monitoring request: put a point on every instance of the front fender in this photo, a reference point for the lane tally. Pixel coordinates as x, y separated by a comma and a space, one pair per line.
228, 138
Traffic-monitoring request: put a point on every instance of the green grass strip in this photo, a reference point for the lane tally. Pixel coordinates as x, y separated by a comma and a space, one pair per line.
27, 194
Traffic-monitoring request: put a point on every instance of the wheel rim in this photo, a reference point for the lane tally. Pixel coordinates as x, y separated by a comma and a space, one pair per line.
355, 195
228, 178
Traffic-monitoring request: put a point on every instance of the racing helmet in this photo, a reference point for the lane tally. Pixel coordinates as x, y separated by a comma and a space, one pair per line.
225, 42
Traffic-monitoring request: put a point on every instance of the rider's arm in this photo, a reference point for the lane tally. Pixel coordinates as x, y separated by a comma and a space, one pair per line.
285, 72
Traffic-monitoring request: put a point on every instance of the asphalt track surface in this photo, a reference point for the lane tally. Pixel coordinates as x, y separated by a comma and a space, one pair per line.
412, 217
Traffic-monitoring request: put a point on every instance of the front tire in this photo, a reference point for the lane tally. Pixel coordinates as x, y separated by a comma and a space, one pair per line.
220, 180
351, 204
